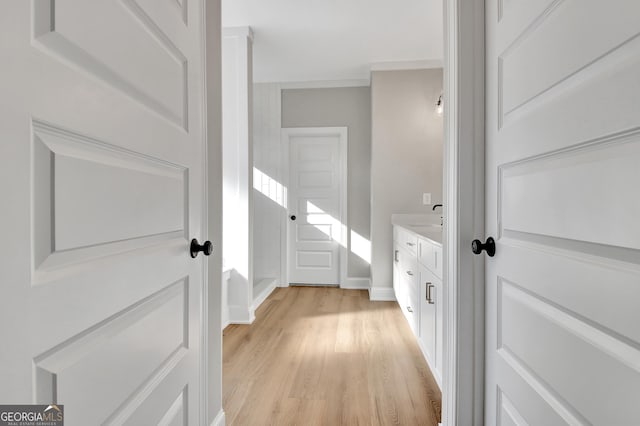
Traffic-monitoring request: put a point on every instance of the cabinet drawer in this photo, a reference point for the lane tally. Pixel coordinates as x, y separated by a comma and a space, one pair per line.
426, 254
411, 304
430, 256
406, 239
427, 317
437, 255
408, 266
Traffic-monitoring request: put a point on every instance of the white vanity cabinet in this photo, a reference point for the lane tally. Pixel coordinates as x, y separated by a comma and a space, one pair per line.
430, 337
431, 330
406, 277
417, 282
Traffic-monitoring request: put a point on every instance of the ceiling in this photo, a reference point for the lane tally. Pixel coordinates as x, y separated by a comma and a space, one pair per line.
323, 40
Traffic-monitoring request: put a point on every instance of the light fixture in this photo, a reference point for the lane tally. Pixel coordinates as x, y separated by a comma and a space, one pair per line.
440, 105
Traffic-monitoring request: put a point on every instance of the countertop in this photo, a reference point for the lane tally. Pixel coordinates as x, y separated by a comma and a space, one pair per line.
422, 228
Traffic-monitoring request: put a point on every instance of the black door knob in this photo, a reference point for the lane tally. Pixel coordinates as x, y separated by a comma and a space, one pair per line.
206, 248
489, 246
293, 217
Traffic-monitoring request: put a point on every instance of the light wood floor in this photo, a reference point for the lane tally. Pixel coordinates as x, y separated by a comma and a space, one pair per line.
326, 356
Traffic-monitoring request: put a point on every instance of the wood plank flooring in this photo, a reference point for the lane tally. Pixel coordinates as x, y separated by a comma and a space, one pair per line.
326, 356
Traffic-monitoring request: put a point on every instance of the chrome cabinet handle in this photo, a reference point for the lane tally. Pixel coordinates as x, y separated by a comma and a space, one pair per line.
395, 255
410, 244
410, 273
409, 309
429, 295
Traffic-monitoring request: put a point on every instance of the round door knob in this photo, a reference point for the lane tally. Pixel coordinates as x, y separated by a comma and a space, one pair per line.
206, 248
489, 246
293, 217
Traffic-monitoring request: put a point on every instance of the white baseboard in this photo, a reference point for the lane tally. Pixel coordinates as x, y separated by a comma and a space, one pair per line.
268, 285
220, 419
241, 315
356, 284
225, 298
382, 294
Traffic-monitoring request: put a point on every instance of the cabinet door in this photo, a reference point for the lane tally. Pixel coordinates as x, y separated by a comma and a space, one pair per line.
437, 261
409, 275
413, 302
427, 317
436, 295
426, 254
396, 271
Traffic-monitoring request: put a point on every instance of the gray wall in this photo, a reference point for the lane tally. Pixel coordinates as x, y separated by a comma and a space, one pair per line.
406, 158
350, 107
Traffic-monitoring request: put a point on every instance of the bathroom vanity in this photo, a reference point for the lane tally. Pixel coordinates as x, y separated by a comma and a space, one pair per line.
417, 283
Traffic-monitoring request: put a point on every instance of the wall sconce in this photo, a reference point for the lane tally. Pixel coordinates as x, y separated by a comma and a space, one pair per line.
440, 106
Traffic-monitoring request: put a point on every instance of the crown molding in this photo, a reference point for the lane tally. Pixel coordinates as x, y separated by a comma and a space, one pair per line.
407, 65
325, 84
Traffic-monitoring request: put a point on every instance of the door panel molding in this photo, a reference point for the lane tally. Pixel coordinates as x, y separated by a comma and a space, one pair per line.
286, 136
123, 173
54, 33
164, 312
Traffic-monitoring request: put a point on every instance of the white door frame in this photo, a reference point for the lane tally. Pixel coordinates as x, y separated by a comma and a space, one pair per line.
285, 135
212, 412
463, 370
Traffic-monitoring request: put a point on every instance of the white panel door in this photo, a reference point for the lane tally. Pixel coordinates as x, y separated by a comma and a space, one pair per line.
101, 176
315, 219
563, 156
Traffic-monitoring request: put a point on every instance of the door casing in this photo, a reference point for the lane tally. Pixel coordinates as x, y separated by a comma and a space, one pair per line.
212, 412
464, 194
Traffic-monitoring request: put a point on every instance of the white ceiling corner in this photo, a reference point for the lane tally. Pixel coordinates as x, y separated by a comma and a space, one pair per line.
328, 41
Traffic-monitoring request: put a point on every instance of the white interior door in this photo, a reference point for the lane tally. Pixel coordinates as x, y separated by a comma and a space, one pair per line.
563, 156
101, 176
315, 206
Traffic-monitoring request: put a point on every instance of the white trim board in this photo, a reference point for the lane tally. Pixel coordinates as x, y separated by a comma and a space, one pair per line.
286, 134
325, 84
265, 287
220, 419
241, 315
463, 276
210, 338
356, 283
407, 65
224, 311
382, 294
